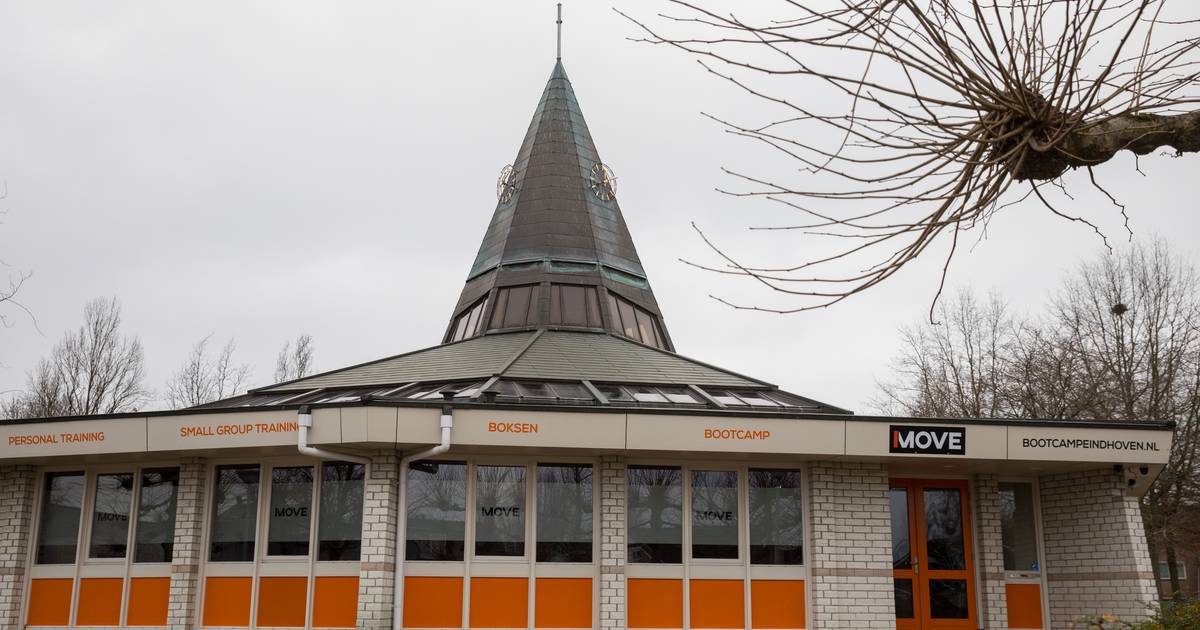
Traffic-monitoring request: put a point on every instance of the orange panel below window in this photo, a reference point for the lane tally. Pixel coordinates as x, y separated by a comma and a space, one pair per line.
1024, 605
777, 603
433, 602
148, 599
563, 603
717, 604
227, 601
281, 602
655, 603
49, 602
99, 602
335, 602
499, 602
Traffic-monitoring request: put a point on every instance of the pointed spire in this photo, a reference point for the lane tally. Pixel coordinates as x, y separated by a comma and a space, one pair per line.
559, 56
558, 224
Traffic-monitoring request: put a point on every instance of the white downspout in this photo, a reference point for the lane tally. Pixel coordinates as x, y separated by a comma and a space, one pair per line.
304, 418
447, 423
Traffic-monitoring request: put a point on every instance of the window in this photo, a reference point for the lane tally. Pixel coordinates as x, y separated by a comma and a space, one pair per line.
58, 531
564, 513
1017, 530
515, 306
110, 516
634, 321
1164, 570
655, 514
714, 514
155, 537
499, 510
574, 305
437, 510
776, 527
288, 524
470, 322
235, 514
339, 525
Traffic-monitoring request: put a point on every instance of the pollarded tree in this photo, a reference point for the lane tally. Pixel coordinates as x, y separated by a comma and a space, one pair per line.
943, 113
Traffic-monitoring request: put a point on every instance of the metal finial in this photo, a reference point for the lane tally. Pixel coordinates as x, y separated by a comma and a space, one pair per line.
559, 32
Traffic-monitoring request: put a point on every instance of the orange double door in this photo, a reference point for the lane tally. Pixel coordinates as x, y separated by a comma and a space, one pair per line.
931, 555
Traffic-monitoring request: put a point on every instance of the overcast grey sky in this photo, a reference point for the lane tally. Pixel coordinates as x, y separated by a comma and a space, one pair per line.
263, 169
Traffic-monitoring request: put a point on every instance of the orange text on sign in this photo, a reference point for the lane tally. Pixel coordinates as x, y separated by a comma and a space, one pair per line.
239, 429
55, 438
735, 434
512, 427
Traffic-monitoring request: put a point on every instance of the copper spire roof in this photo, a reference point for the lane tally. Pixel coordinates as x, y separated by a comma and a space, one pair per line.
557, 241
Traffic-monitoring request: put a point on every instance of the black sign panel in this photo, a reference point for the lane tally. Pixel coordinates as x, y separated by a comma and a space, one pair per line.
927, 440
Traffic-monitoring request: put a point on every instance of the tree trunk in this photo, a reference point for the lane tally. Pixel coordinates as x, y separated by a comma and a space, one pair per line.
1173, 571
1140, 133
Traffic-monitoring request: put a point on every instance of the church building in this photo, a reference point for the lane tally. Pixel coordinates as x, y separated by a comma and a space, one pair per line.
556, 462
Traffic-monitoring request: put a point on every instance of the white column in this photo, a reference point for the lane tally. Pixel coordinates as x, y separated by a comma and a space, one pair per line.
17, 485
612, 541
377, 569
187, 551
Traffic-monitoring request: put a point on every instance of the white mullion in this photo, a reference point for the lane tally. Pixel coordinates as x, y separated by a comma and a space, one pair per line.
130, 538
260, 536
83, 535
806, 549
314, 540
468, 543
686, 555
531, 542
743, 501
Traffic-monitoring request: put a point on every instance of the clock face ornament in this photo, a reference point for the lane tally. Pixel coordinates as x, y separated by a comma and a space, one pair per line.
506, 185
604, 182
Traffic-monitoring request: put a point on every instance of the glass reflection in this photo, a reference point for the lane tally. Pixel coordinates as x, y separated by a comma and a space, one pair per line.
776, 530
714, 514
904, 599
901, 549
436, 510
655, 514
943, 529
235, 514
155, 538
339, 521
499, 510
564, 513
948, 599
110, 516
62, 500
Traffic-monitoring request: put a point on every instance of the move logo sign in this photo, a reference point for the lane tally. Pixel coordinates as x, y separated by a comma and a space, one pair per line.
928, 440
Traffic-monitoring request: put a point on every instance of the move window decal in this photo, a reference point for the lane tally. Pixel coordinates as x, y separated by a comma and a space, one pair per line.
927, 440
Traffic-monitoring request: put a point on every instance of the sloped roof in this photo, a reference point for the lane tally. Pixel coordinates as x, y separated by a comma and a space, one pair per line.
544, 354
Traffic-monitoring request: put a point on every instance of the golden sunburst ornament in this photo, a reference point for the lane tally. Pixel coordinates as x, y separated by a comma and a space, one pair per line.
506, 185
604, 182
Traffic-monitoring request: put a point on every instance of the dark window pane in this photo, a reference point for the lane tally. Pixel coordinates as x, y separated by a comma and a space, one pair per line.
501, 308
714, 514
437, 510
655, 514
235, 514
614, 393
289, 522
155, 537
943, 529
564, 517
645, 324
460, 328
556, 311
1017, 530
473, 319
499, 510
948, 599
904, 599
776, 526
593, 308
571, 391
614, 313
110, 516
574, 310
628, 319
516, 313
58, 530
901, 550
339, 522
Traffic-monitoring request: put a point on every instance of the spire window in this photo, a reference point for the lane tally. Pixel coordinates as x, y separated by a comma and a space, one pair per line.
635, 322
470, 322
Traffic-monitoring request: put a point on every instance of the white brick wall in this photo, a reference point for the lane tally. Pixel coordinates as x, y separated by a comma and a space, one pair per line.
989, 558
1097, 559
377, 571
612, 542
188, 551
17, 485
851, 557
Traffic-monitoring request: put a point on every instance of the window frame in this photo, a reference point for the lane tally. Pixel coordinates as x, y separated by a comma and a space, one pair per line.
1021, 577
85, 567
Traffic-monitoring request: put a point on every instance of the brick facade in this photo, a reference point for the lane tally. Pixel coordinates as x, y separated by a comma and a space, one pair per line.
612, 542
1097, 559
377, 572
989, 552
851, 559
187, 553
17, 489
